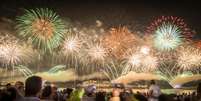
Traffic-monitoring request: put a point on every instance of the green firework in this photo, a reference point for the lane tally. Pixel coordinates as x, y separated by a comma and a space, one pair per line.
42, 27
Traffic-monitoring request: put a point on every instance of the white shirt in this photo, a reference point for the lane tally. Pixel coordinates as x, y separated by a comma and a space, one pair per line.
155, 89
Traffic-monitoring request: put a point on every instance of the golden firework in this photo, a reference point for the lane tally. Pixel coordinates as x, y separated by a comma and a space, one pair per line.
189, 57
42, 28
118, 40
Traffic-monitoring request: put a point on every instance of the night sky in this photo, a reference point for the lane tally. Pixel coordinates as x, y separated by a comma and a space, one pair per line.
137, 15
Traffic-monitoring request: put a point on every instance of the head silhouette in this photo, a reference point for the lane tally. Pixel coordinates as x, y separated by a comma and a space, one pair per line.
33, 85
152, 82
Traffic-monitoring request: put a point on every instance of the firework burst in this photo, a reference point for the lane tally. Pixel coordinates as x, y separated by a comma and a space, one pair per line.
150, 63
189, 58
71, 50
135, 60
185, 30
43, 27
93, 58
90, 33
96, 52
117, 41
167, 37
141, 60
145, 50
72, 45
14, 52
169, 32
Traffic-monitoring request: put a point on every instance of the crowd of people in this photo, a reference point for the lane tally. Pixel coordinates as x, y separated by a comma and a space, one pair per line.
35, 90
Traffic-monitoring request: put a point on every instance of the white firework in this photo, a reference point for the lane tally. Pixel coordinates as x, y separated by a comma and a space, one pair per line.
141, 60
97, 52
72, 45
14, 54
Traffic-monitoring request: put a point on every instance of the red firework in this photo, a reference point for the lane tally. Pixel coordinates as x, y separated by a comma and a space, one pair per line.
186, 32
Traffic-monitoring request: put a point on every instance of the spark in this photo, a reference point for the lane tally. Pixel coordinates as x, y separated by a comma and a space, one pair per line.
139, 62
145, 50
167, 37
135, 60
42, 27
14, 52
186, 32
189, 57
72, 44
119, 40
97, 52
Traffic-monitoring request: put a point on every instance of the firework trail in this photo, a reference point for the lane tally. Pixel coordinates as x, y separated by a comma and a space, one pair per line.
113, 70
168, 72
24, 70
